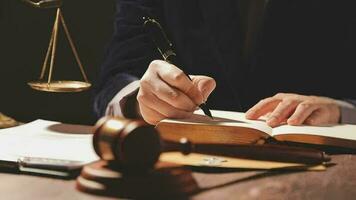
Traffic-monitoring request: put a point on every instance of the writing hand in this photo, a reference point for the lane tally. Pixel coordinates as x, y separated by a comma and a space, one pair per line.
166, 92
296, 110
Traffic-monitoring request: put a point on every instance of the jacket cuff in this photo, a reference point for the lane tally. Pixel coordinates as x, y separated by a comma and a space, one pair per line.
109, 90
348, 115
348, 111
118, 105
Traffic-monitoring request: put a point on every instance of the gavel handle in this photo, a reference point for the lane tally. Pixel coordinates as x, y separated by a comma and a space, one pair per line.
268, 152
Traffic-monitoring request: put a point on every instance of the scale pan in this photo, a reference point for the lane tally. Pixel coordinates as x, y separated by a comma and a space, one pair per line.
60, 86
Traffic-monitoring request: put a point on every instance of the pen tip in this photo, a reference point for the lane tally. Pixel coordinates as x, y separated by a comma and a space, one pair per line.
210, 115
206, 111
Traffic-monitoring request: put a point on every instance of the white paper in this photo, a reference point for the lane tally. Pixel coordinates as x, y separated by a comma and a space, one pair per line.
38, 139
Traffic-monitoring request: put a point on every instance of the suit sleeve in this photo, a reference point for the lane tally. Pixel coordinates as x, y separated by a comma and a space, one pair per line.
348, 114
129, 52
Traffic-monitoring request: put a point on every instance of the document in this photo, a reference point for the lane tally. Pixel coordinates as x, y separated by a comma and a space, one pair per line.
47, 139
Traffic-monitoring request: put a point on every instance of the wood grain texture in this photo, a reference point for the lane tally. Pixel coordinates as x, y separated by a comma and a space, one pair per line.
337, 182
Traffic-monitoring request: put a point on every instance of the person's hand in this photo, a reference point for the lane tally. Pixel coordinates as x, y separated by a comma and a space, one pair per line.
166, 92
295, 109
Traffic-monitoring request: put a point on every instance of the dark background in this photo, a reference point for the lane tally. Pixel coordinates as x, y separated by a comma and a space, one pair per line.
24, 37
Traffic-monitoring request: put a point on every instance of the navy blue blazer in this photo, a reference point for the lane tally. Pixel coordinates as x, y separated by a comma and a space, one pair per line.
305, 46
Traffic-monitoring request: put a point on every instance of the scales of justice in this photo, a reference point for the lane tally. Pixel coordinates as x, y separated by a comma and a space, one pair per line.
50, 85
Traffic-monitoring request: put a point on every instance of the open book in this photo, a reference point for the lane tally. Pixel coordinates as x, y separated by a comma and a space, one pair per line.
233, 128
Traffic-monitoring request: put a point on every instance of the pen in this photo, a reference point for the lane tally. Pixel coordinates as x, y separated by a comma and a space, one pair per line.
164, 46
43, 166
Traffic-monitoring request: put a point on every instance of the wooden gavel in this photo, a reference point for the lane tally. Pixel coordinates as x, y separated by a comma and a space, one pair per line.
135, 144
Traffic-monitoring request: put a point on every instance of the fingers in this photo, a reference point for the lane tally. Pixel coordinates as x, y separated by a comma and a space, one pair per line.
204, 84
175, 77
261, 108
296, 110
281, 113
150, 115
316, 118
168, 111
302, 112
324, 115
166, 92
280, 109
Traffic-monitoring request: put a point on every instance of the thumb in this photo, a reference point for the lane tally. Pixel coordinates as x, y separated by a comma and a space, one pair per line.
204, 84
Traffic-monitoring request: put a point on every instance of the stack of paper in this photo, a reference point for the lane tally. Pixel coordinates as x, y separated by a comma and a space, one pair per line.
47, 139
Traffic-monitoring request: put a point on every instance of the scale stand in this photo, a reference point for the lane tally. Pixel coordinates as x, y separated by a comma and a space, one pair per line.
59, 85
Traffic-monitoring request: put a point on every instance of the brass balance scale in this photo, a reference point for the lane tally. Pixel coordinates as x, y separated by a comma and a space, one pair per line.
50, 85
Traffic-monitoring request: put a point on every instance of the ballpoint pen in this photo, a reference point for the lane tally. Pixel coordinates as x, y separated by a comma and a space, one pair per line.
164, 46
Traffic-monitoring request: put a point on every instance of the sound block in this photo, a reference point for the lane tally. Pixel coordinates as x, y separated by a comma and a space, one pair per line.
165, 180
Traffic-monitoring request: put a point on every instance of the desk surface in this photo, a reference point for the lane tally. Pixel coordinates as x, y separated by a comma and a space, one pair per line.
337, 182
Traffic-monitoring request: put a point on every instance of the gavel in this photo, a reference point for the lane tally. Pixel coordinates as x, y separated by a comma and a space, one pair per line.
134, 144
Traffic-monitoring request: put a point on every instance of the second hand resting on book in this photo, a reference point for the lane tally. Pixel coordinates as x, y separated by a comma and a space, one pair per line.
295, 109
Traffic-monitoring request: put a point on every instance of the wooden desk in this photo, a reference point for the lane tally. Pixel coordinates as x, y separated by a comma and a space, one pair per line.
338, 182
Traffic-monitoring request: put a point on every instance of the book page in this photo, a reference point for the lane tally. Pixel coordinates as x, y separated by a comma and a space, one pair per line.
343, 131
224, 118
47, 139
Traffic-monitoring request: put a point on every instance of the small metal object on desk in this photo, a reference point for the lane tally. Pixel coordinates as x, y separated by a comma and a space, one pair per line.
213, 161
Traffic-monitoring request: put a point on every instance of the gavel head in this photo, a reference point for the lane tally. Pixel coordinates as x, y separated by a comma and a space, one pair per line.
131, 144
